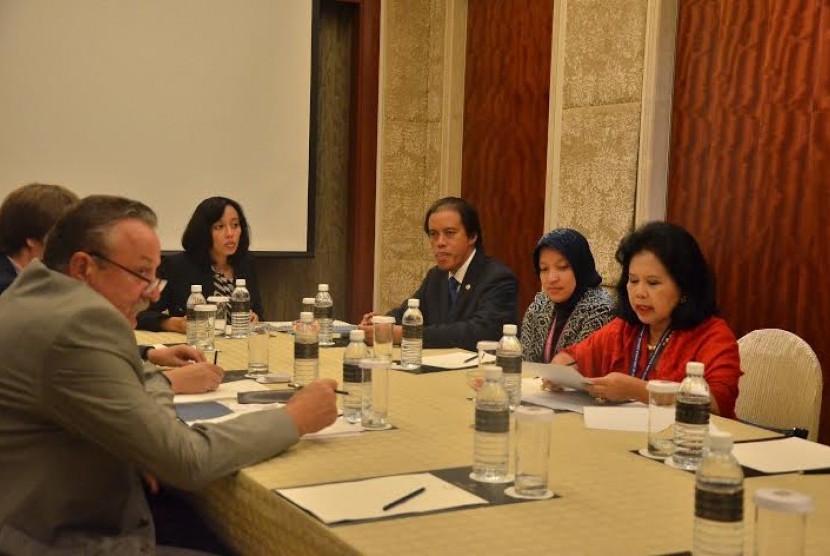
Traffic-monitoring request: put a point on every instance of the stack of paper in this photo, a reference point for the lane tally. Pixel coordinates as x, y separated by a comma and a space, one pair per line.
783, 456
356, 500
452, 360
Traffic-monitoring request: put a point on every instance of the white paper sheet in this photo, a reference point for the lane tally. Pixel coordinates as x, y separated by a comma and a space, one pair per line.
226, 391
356, 500
619, 418
341, 427
563, 375
783, 456
452, 360
567, 400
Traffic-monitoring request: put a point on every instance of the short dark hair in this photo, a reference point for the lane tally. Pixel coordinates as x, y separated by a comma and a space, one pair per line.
87, 226
680, 253
197, 238
29, 212
468, 213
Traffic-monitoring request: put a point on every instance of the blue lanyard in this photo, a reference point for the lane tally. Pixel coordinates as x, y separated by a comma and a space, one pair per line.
652, 360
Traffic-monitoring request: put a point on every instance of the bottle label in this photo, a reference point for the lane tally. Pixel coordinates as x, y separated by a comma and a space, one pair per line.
351, 373
306, 351
323, 312
719, 506
692, 413
492, 421
240, 306
509, 365
413, 331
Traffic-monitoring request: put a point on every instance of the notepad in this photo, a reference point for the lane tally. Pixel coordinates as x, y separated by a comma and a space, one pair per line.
782, 456
452, 360
358, 500
226, 391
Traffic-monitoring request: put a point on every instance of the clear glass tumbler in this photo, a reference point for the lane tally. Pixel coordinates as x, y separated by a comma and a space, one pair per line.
374, 410
661, 410
258, 350
533, 431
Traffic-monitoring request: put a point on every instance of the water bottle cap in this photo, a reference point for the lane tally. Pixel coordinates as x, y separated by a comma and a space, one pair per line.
383, 320
196, 288
720, 440
357, 335
240, 282
487, 345
375, 363
415, 303
307, 316
509, 330
308, 301
527, 413
204, 308
783, 500
492, 372
323, 288
218, 299
662, 386
693, 368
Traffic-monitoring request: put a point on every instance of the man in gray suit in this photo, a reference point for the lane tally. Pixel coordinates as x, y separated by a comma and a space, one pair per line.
77, 426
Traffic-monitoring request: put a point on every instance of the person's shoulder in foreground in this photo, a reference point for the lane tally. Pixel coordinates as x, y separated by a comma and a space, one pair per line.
77, 427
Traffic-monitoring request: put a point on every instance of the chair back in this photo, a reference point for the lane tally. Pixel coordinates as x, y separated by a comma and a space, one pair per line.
782, 382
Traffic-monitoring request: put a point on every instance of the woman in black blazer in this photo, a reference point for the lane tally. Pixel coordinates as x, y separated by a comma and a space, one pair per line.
215, 254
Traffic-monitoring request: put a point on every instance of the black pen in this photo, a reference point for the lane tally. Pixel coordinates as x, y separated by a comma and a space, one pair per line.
215, 355
473, 358
299, 387
404, 498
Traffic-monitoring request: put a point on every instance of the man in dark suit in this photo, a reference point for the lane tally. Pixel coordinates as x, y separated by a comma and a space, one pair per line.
466, 296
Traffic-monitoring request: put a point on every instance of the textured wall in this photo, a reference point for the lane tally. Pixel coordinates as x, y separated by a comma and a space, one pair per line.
600, 131
412, 46
285, 281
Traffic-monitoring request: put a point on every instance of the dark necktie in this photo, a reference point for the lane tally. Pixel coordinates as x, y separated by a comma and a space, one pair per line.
453, 284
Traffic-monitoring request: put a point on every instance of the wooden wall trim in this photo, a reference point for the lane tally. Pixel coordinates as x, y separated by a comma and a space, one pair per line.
452, 109
557, 83
363, 160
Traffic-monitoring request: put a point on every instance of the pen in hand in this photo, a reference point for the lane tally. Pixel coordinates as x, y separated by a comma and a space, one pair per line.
404, 498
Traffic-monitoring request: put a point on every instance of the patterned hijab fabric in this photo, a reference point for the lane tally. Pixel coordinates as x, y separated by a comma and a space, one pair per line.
574, 247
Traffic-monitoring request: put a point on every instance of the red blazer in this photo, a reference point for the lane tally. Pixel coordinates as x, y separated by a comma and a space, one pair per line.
712, 343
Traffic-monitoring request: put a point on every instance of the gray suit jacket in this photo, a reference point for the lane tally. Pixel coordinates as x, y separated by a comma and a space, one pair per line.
76, 424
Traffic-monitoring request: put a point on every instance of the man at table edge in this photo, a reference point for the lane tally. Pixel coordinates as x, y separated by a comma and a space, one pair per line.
76, 424
466, 296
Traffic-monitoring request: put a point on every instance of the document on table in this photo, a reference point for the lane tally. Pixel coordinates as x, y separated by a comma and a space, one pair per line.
563, 375
218, 411
341, 427
226, 391
566, 400
631, 416
358, 500
782, 456
453, 360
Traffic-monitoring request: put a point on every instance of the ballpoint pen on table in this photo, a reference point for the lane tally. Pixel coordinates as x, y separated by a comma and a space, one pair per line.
404, 498
336, 391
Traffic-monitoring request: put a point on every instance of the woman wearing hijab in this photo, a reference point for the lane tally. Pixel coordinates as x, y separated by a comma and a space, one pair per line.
572, 304
215, 254
666, 318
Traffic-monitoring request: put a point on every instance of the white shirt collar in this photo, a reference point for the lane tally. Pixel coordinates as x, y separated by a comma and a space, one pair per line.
459, 275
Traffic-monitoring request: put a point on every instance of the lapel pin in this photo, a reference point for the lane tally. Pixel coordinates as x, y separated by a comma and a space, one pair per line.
467, 287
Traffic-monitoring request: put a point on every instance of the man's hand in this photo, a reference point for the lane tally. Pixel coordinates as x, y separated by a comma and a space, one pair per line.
195, 379
314, 407
174, 324
175, 356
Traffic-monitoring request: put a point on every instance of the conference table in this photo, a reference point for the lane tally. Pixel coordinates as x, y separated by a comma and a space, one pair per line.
610, 500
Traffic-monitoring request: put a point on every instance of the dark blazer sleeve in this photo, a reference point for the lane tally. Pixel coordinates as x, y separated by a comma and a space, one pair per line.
482, 309
180, 272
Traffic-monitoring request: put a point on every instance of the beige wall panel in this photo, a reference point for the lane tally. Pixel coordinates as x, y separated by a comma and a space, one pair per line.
598, 177
604, 48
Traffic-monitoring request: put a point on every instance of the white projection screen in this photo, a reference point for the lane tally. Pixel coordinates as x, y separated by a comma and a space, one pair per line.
167, 102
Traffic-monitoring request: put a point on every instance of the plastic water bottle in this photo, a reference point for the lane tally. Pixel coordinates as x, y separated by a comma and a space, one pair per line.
509, 358
412, 338
324, 313
352, 381
492, 430
691, 422
719, 501
306, 350
240, 310
195, 298
308, 304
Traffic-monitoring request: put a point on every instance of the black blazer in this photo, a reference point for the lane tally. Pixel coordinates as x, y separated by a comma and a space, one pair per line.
487, 300
7, 272
181, 271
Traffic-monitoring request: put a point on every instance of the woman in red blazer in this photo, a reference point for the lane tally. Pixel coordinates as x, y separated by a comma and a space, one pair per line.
666, 318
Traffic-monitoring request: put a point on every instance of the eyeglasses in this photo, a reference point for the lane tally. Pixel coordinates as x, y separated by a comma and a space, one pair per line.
152, 284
